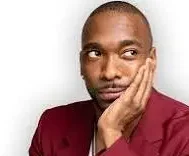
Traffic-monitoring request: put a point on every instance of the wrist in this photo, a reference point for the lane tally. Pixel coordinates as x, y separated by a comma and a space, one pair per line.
110, 136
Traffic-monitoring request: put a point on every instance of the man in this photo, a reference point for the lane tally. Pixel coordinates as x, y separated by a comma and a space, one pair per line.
126, 116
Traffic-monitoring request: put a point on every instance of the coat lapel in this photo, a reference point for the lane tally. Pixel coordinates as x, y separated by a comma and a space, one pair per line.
149, 133
77, 140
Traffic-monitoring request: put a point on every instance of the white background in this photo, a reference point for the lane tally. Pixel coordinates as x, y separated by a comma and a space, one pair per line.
39, 63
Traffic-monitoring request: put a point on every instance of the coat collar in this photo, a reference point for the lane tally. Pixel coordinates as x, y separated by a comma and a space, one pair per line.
147, 138
152, 122
150, 126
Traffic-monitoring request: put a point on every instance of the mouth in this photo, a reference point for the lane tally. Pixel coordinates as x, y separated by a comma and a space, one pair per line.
110, 94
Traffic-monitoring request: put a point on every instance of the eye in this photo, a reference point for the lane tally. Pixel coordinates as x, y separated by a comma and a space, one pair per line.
129, 53
94, 53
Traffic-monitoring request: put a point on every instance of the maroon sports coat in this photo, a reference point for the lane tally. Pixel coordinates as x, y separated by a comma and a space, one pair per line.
67, 131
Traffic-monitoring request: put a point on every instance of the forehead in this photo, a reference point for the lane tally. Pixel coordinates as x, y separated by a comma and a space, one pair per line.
111, 28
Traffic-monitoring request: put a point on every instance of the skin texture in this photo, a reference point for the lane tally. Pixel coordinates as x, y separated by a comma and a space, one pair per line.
117, 57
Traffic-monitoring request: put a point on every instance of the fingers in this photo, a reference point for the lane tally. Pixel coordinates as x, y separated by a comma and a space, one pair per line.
148, 87
133, 88
143, 94
138, 97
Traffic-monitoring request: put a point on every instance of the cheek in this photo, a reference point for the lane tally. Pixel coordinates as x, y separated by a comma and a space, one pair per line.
130, 69
91, 75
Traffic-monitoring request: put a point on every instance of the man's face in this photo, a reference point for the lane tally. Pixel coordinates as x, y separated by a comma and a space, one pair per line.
114, 47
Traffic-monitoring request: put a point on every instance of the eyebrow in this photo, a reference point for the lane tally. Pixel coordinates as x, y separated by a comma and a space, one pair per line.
130, 42
93, 45
123, 43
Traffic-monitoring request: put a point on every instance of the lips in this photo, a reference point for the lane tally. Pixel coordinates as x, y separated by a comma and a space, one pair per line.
110, 94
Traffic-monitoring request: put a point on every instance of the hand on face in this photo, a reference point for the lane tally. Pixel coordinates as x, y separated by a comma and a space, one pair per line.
128, 107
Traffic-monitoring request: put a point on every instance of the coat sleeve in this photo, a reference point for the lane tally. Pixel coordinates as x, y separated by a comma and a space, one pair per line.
36, 147
120, 147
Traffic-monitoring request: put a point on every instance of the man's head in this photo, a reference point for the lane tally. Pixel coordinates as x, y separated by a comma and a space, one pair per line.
116, 40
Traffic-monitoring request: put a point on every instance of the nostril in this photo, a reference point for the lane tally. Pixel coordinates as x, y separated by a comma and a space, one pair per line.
110, 74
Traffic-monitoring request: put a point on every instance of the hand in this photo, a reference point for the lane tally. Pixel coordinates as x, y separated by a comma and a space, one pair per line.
128, 108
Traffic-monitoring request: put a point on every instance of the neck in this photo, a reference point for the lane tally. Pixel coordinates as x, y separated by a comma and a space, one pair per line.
98, 111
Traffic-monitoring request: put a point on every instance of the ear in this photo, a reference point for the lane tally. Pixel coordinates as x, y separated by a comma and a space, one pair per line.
81, 64
153, 56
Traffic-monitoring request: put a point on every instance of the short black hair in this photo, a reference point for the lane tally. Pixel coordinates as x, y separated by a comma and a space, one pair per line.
119, 7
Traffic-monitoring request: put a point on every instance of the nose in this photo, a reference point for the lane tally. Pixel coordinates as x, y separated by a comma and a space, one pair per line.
110, 69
